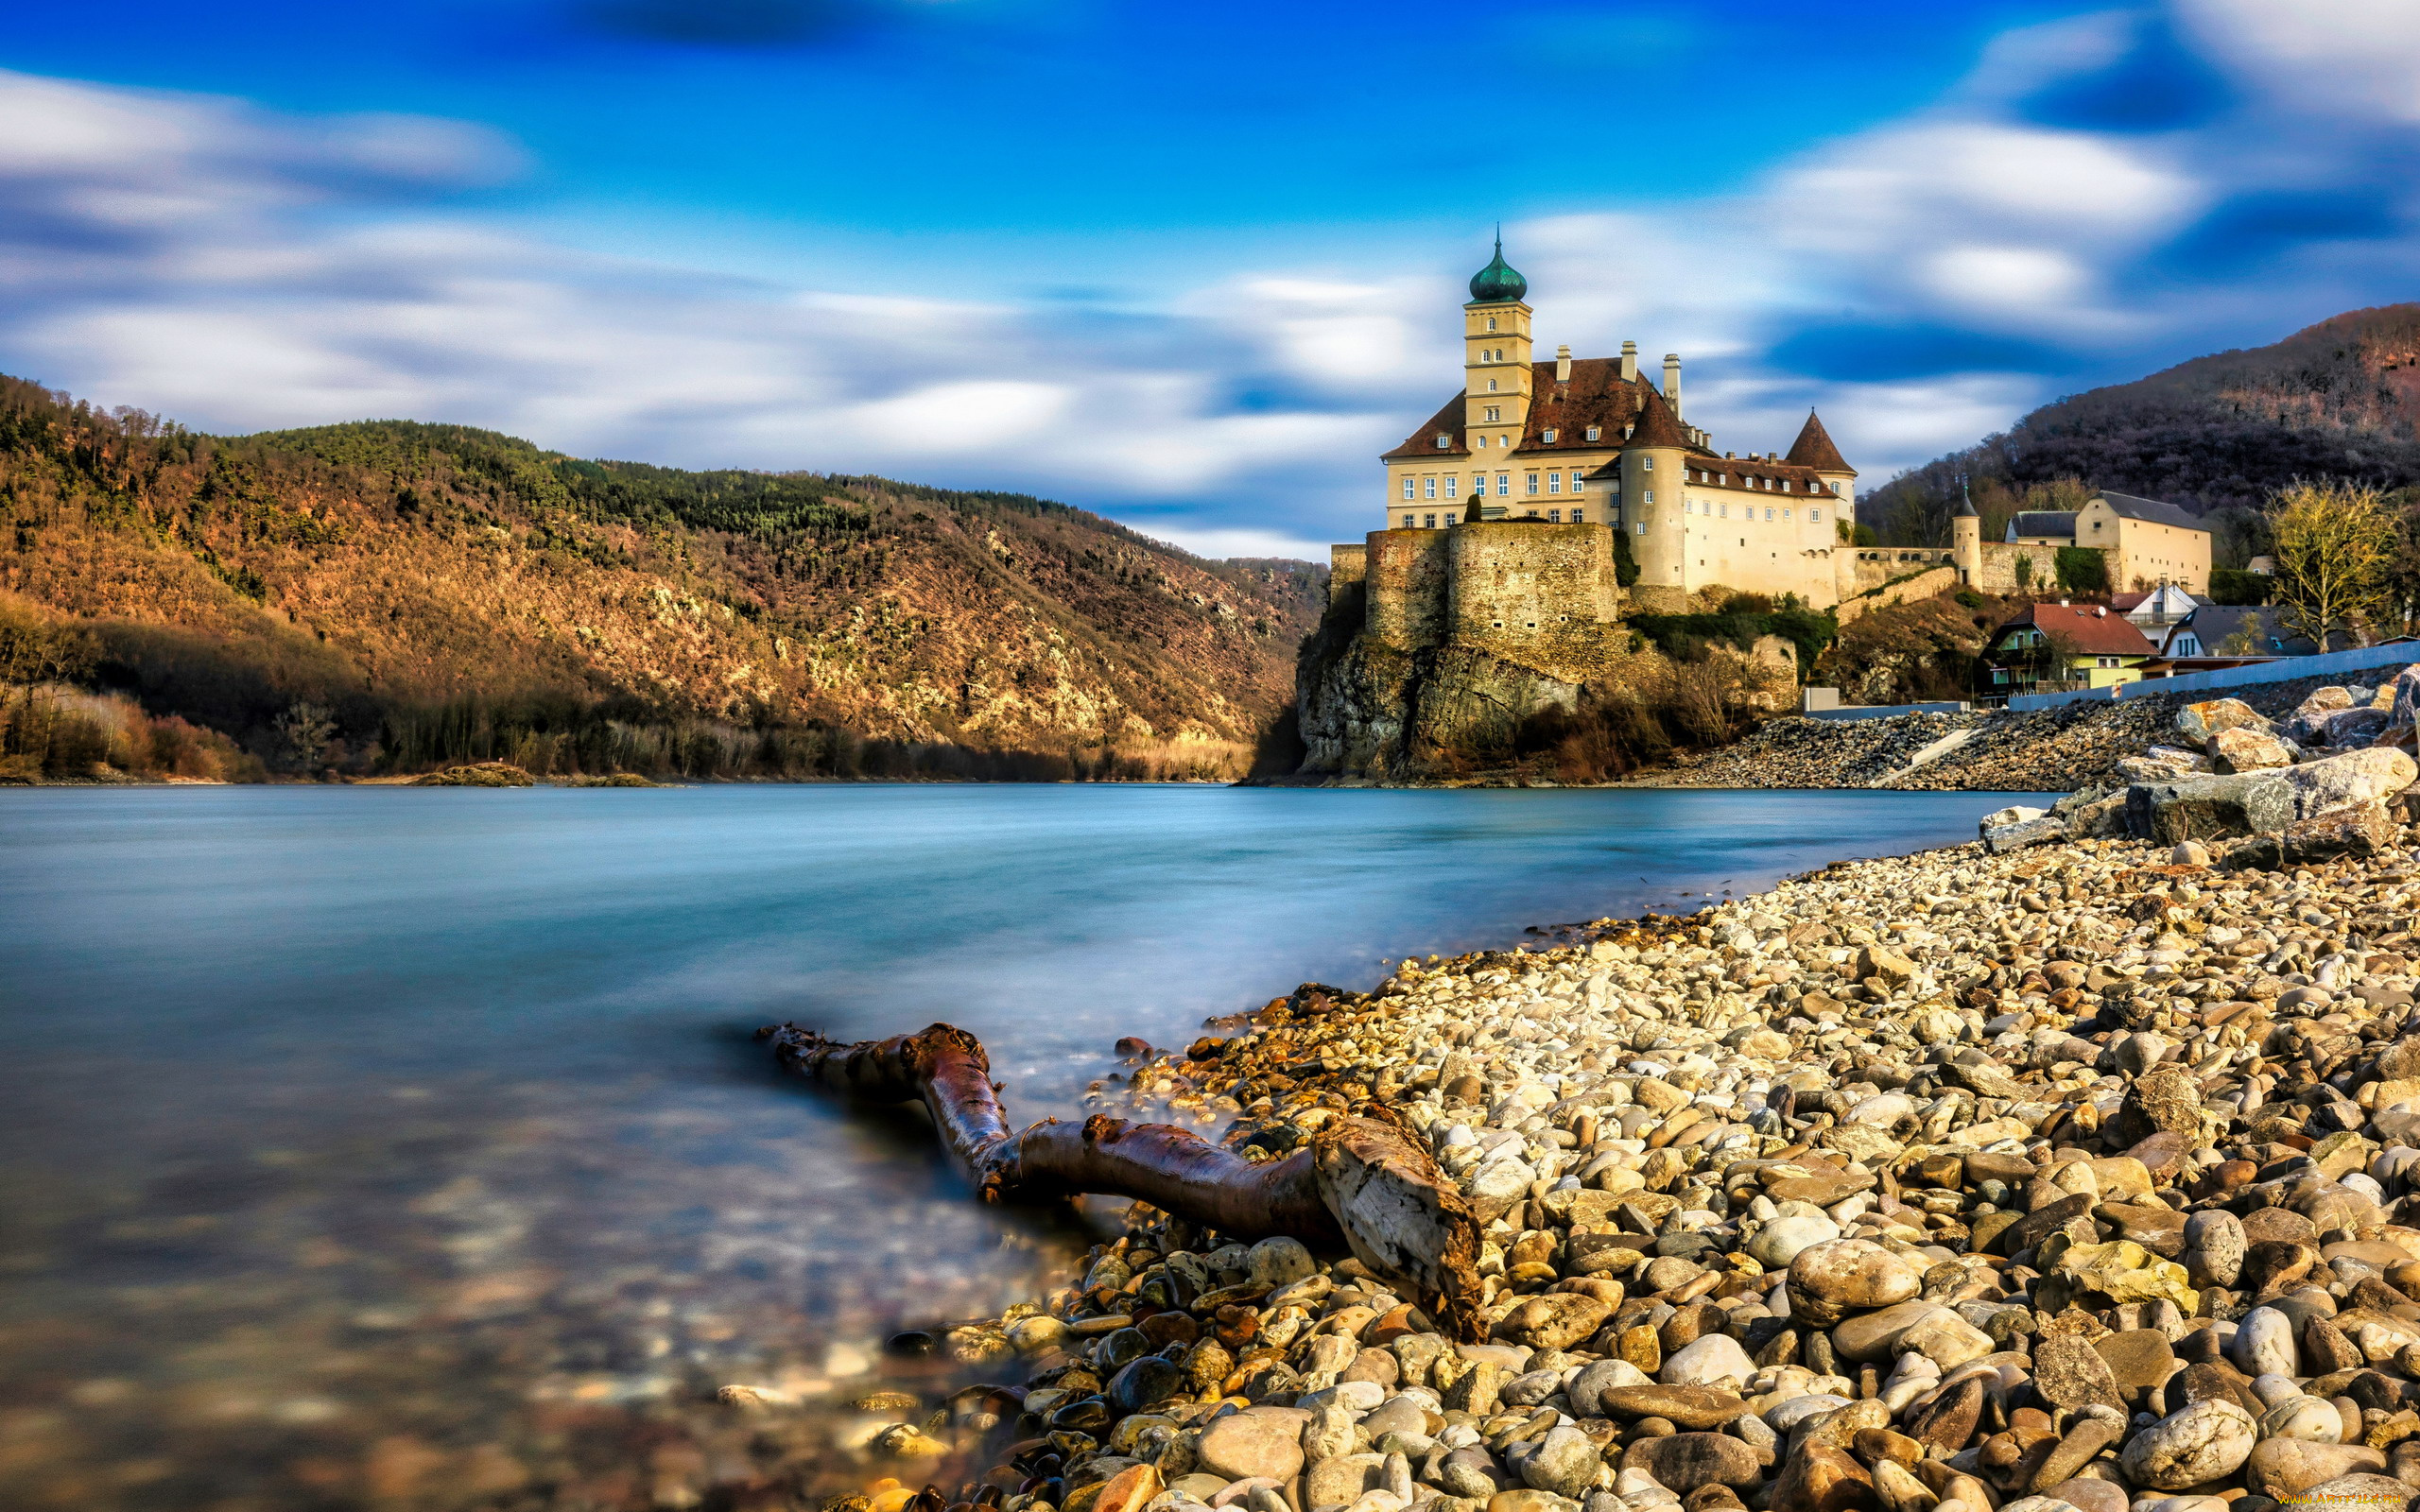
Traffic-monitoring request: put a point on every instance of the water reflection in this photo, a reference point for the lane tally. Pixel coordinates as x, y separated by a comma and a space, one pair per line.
379, 1148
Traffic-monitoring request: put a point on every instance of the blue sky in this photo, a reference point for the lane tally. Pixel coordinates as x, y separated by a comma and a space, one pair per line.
1189, 266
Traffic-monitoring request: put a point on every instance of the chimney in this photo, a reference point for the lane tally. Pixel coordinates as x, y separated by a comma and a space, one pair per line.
1672, 382
1563, 365
1629, 362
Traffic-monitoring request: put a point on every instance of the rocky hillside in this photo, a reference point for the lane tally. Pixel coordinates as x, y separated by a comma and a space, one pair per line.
366, 596
2216, 434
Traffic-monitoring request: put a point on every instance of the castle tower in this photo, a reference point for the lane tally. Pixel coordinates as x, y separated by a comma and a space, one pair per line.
1496, 356
1966, 540
1654, 463
1814, 449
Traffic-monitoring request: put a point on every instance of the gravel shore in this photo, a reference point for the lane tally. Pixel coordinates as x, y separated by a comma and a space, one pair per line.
2068, 1178
2049, 751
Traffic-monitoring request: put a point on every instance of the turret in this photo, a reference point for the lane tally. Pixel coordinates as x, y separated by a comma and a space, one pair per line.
1654, 461
1496, 355
1966, 540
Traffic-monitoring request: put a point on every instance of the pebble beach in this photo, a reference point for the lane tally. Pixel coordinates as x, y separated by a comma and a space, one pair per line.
2071, 1177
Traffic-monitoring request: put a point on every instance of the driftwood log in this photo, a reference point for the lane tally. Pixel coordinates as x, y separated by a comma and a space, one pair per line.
1362, 1182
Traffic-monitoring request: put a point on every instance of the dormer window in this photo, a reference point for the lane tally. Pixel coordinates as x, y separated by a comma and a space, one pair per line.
1595, 431
1549, 437
1443, 440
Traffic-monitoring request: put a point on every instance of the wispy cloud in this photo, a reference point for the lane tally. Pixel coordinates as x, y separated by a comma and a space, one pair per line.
2099, 196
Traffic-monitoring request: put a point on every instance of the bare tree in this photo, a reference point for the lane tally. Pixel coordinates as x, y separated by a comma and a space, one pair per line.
306, 728
2334, 544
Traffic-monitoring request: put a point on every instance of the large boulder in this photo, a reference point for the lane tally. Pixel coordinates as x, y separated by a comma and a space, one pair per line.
2249, 750
2200, 722
2207, 808
2403, 711
2363, 829
2358, 777
2016, 837
2353, 727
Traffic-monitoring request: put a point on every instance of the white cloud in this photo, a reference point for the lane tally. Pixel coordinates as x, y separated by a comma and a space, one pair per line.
2355, 58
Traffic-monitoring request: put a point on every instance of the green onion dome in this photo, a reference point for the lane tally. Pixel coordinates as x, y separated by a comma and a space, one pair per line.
1497, 283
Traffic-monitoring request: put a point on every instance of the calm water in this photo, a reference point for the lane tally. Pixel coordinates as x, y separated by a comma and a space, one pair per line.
374, 1148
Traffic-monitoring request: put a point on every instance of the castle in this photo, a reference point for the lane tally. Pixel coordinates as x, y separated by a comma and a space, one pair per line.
1549, 498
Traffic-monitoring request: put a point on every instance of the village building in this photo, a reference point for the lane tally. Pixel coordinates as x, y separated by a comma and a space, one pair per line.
2065, 645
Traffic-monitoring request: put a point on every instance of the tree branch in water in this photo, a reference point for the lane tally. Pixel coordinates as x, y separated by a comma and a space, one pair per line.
1362, 1182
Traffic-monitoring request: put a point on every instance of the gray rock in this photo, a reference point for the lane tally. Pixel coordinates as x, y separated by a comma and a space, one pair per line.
2206, 1440
1684, 1462
1564, 1463
1260, 1442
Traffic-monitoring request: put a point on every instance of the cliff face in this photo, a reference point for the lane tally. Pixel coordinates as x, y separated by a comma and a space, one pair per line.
417, 578
1373, 711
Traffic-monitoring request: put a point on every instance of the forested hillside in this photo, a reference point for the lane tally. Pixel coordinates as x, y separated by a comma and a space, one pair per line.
389, 595
2215, 435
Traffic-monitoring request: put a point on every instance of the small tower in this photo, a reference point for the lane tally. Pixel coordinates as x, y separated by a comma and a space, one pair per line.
1655, 462
1496, 356
1966, 539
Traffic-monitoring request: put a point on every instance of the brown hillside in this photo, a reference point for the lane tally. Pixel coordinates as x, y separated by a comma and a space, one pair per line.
446, 590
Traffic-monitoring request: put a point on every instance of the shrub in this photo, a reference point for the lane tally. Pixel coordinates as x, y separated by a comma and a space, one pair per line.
2234, 587
2082, 570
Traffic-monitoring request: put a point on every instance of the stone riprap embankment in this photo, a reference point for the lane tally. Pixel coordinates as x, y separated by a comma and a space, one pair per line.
2074, 1179
2045, 750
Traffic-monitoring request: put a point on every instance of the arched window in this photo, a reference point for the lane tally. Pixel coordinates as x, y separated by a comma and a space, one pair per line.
1491, 322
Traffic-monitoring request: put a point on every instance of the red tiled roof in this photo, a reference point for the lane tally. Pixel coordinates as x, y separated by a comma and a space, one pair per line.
1814, 449
1423, 442
2104, 633
1659, 426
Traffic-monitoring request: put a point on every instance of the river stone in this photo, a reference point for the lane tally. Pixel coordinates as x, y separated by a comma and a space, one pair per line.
2280, 1466
1690, 1407
1684, 1462
2087, 1438
1471, 1473
2264, 1343
1820, 1478
2140, 1359
1781, 1240
1715, 1357
1829, 1281
2278, 1225
2166, 1098
1275, 1263
1340, 1480
1557, 1320
2089, 1495
2359, 1493
2203, 1442
1146, 1382
2306, 1419
1946, 1422
1130, 1490
2071, 1373
1787, 1413
1564, 1462
1943, 1337
2214, 1247
1259, 1441
1595, 1382
1875, 1335
1529, 1501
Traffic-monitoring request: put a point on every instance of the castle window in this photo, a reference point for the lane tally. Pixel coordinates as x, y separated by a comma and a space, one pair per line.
1428, 521
1815, 517
1576, 517
1595, 431
1495, 412
1578, 485
1554, 516
1491, 389
1533, 483
1649, 497
1407, 488
1785, 514
1451, 483
1769, 514
1727, 511
1549, 437
1444, 441
1646, 464
1407, 522
1554, 483
1642, 527
1429, 488
1491, 322
1503, 483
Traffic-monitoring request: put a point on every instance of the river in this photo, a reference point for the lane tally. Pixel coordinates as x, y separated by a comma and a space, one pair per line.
405, 1148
